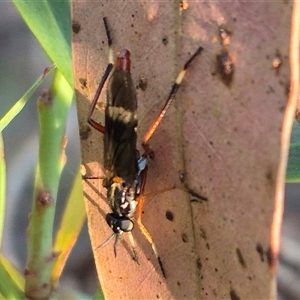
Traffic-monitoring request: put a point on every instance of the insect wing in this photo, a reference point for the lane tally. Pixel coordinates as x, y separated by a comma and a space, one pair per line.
120, 137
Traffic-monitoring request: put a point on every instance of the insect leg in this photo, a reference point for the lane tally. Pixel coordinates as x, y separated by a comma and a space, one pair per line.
109, 67
140, 204
133, 246
172, 95
141, 200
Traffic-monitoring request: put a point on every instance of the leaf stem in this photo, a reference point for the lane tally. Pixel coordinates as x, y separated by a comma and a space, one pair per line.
53, 107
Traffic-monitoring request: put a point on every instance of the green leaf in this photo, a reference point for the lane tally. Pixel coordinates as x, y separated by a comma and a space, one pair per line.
12, 282
50, 22
70, 227
7, 118
22, 101
293, 170
99, 294
2, 188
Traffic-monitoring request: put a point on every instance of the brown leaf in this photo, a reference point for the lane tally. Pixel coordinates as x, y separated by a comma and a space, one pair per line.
221, 133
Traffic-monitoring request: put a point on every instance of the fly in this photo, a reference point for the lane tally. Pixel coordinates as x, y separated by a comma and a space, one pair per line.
125, 169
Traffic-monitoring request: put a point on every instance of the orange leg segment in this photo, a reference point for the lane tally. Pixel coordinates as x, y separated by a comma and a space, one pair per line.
171, 97
145, 232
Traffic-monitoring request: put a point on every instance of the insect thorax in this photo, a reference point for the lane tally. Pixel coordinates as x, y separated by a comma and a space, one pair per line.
121, 199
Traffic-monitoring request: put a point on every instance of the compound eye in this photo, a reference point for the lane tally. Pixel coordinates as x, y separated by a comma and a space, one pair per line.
126, 225
119, 224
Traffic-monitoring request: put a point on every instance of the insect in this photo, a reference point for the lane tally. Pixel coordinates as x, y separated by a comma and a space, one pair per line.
125, 168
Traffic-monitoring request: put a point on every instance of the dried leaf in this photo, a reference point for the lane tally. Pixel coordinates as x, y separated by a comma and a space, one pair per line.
221, 136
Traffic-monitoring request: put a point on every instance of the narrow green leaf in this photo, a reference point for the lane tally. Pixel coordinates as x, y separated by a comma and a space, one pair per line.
22, 101
2, 188
12, 282
99, 294
50, 22
70, 227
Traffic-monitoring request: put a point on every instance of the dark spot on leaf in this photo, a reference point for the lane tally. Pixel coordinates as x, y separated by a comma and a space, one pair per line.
76, 27
269, 175
83, 83
193, 193
184, 238
240, 258
270, 90
233, 295
225, 67
203, 233
260, 250
215, 292
84, 132
169, 215
271, 258
165, 40
213, 73
143, 83
198, 263
287, 88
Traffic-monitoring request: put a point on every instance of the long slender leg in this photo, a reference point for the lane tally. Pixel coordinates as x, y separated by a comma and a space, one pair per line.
145, 232
172, 95
141, 200
133, 247
109, 67
90, 120
148, 152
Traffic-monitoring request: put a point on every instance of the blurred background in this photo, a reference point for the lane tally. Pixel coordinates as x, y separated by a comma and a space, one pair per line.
21, 61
